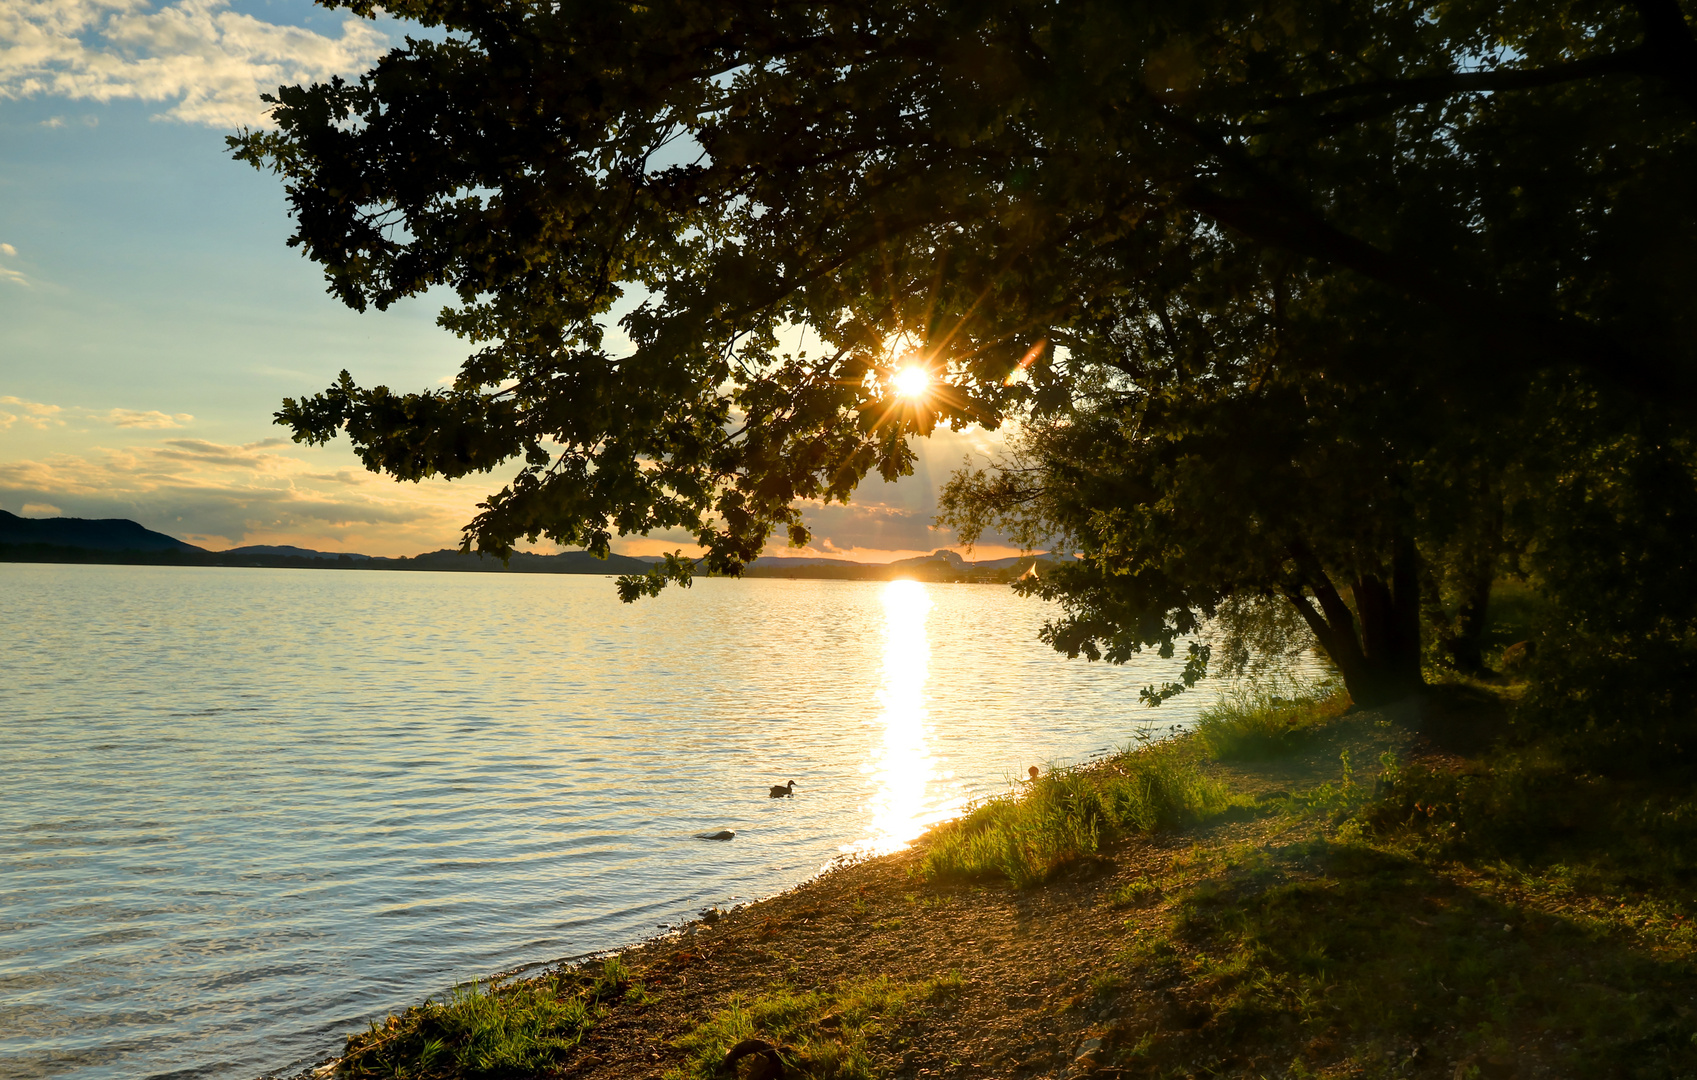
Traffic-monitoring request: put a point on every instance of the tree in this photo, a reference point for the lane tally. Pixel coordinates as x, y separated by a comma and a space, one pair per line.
1508, 187
1302, 457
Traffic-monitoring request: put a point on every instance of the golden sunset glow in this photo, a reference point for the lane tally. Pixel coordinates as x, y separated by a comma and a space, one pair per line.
911, 381
904, 767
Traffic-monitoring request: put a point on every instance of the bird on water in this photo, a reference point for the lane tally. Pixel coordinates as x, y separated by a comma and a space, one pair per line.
780, 790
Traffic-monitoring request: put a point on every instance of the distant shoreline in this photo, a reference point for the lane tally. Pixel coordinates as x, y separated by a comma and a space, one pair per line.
933, 569
571, 562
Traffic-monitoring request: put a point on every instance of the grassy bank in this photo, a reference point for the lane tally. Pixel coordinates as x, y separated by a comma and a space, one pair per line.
1290, 891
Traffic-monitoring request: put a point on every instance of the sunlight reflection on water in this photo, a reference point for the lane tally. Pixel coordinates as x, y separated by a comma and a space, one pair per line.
905, 767
246, 810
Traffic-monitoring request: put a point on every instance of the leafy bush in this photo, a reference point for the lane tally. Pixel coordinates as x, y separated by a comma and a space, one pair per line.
1065, 815
486, 1029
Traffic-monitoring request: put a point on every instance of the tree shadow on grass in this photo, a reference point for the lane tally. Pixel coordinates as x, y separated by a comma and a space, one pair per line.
1352, 960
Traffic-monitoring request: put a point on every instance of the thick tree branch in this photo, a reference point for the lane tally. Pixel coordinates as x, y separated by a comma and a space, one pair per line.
1396, 92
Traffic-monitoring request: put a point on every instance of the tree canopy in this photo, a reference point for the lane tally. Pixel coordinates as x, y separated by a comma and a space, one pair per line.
1260, 262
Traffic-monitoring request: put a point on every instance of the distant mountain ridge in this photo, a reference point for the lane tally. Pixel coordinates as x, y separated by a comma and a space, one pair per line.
290, 549
940, 565
87, 540
93, 534
120, 540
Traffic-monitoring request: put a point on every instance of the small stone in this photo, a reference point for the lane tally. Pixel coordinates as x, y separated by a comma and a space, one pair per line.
1088, 1048
745, 1048
722, 834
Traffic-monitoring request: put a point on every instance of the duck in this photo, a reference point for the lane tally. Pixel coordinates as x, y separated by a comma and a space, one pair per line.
780, 790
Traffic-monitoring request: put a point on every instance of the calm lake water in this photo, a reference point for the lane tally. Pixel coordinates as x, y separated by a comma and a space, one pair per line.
244, 811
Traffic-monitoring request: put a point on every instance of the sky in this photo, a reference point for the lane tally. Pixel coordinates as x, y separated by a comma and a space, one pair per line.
152, 317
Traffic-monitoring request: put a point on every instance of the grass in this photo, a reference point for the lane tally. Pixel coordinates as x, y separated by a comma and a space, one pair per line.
1352, 958
841, 1033
1513, 916
488, 1029
1254, 721
1063, 818
1143, 892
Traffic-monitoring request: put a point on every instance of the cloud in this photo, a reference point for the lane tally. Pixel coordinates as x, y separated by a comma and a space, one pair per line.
210, 62
224, 495
41, 510
131, 418
31, 413
254, 456
273, 491
6, 273
38, 415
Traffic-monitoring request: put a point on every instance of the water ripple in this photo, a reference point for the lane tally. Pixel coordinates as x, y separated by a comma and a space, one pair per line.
248, 809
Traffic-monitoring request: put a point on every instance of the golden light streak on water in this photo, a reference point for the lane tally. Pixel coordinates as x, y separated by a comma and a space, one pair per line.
910, 796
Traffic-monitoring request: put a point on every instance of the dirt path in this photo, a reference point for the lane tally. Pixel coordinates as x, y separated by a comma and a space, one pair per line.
1034, 998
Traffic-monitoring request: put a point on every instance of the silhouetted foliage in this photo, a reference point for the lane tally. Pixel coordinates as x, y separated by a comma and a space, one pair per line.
1299, 284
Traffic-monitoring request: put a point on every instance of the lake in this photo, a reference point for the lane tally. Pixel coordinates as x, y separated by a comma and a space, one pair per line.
246, 810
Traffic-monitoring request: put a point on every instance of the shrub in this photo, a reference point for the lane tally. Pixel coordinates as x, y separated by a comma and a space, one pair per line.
1260, 720
1065, 815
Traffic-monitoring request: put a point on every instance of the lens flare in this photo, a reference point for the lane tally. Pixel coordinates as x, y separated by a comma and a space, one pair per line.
1026, 361
911, 381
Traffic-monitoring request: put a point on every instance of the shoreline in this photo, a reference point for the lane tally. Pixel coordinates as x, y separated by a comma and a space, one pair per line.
1329, 919
742, 949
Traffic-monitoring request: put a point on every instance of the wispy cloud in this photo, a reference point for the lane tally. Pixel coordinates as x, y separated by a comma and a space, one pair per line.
40, 415
209, 62
152, 418
16, 277
33, 414
273, 491
222, 495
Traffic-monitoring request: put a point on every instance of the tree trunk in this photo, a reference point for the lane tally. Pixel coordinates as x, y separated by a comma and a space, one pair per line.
1466, 644
1376, 647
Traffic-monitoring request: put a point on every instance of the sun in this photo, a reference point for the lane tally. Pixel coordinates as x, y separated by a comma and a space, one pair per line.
911, 382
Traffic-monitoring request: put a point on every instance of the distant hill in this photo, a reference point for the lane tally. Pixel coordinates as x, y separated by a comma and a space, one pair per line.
290, 549
566, 562
91, 534
118, 540
940, 565
785, 560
